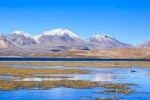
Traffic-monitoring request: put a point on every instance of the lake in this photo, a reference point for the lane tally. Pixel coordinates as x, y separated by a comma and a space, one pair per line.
69, 59
103, 75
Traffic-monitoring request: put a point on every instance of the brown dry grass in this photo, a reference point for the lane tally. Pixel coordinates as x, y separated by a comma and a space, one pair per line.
123, 91
28, 72
84, 64
110, 98
12, 85
107, 53
116, 85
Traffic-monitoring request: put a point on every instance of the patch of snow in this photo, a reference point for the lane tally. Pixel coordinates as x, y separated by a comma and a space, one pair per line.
37, 37
102, 37
60, 32
21, 33
56, 32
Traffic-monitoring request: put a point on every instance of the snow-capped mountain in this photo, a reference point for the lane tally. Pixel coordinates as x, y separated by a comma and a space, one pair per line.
58, 39
5, 42
108, 41
57, 35
21, 38
145, 44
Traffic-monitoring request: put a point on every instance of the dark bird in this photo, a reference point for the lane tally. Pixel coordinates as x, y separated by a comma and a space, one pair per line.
133, 71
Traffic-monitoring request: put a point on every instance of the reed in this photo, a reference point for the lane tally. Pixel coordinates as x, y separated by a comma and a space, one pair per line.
117, 85
110, 98
84, 64
28, 72
12, 85
122, 91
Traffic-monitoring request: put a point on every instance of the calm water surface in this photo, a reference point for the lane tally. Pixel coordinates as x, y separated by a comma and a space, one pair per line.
104, 75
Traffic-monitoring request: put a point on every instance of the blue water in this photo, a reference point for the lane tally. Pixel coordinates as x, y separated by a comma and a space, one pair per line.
104, 75
67, 59
62, 93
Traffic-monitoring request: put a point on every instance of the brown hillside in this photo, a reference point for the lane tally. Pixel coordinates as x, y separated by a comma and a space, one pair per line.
107, 53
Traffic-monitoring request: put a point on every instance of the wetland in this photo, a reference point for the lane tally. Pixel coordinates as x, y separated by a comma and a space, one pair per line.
75, 80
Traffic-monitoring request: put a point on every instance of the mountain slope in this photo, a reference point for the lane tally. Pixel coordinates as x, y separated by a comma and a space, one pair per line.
57, 40
5, 42
145, 44
57, 35
107, 41
21, 38
133, 53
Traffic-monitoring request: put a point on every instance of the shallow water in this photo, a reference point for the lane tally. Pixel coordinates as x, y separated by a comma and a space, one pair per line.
104, 75
34, 67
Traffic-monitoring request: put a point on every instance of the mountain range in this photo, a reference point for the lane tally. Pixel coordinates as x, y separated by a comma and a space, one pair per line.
58, 40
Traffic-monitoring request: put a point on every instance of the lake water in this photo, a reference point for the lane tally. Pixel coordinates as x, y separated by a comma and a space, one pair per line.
104, 75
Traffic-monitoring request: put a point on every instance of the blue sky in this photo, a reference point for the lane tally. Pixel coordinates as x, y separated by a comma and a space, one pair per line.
126, 20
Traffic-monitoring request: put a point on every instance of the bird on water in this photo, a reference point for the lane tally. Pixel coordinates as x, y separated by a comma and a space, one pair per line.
133, 71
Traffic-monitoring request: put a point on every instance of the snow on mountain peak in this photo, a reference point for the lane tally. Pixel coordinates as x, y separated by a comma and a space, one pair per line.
21, 33
18, 32
102, 36
60, 32
56, 32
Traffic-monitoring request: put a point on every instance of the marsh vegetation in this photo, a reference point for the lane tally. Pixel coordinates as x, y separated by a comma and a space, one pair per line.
84, 64
28, 72
96, 78
12, 85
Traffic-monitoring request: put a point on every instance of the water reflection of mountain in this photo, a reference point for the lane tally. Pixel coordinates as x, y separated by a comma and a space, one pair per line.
103, 77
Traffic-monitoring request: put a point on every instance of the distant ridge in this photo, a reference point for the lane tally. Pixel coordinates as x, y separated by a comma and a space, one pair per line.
63, 35
21, 38
108, 41
56, 40
145, 44
5, 42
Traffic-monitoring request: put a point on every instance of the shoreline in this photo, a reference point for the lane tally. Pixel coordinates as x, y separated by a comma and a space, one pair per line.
69, 59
